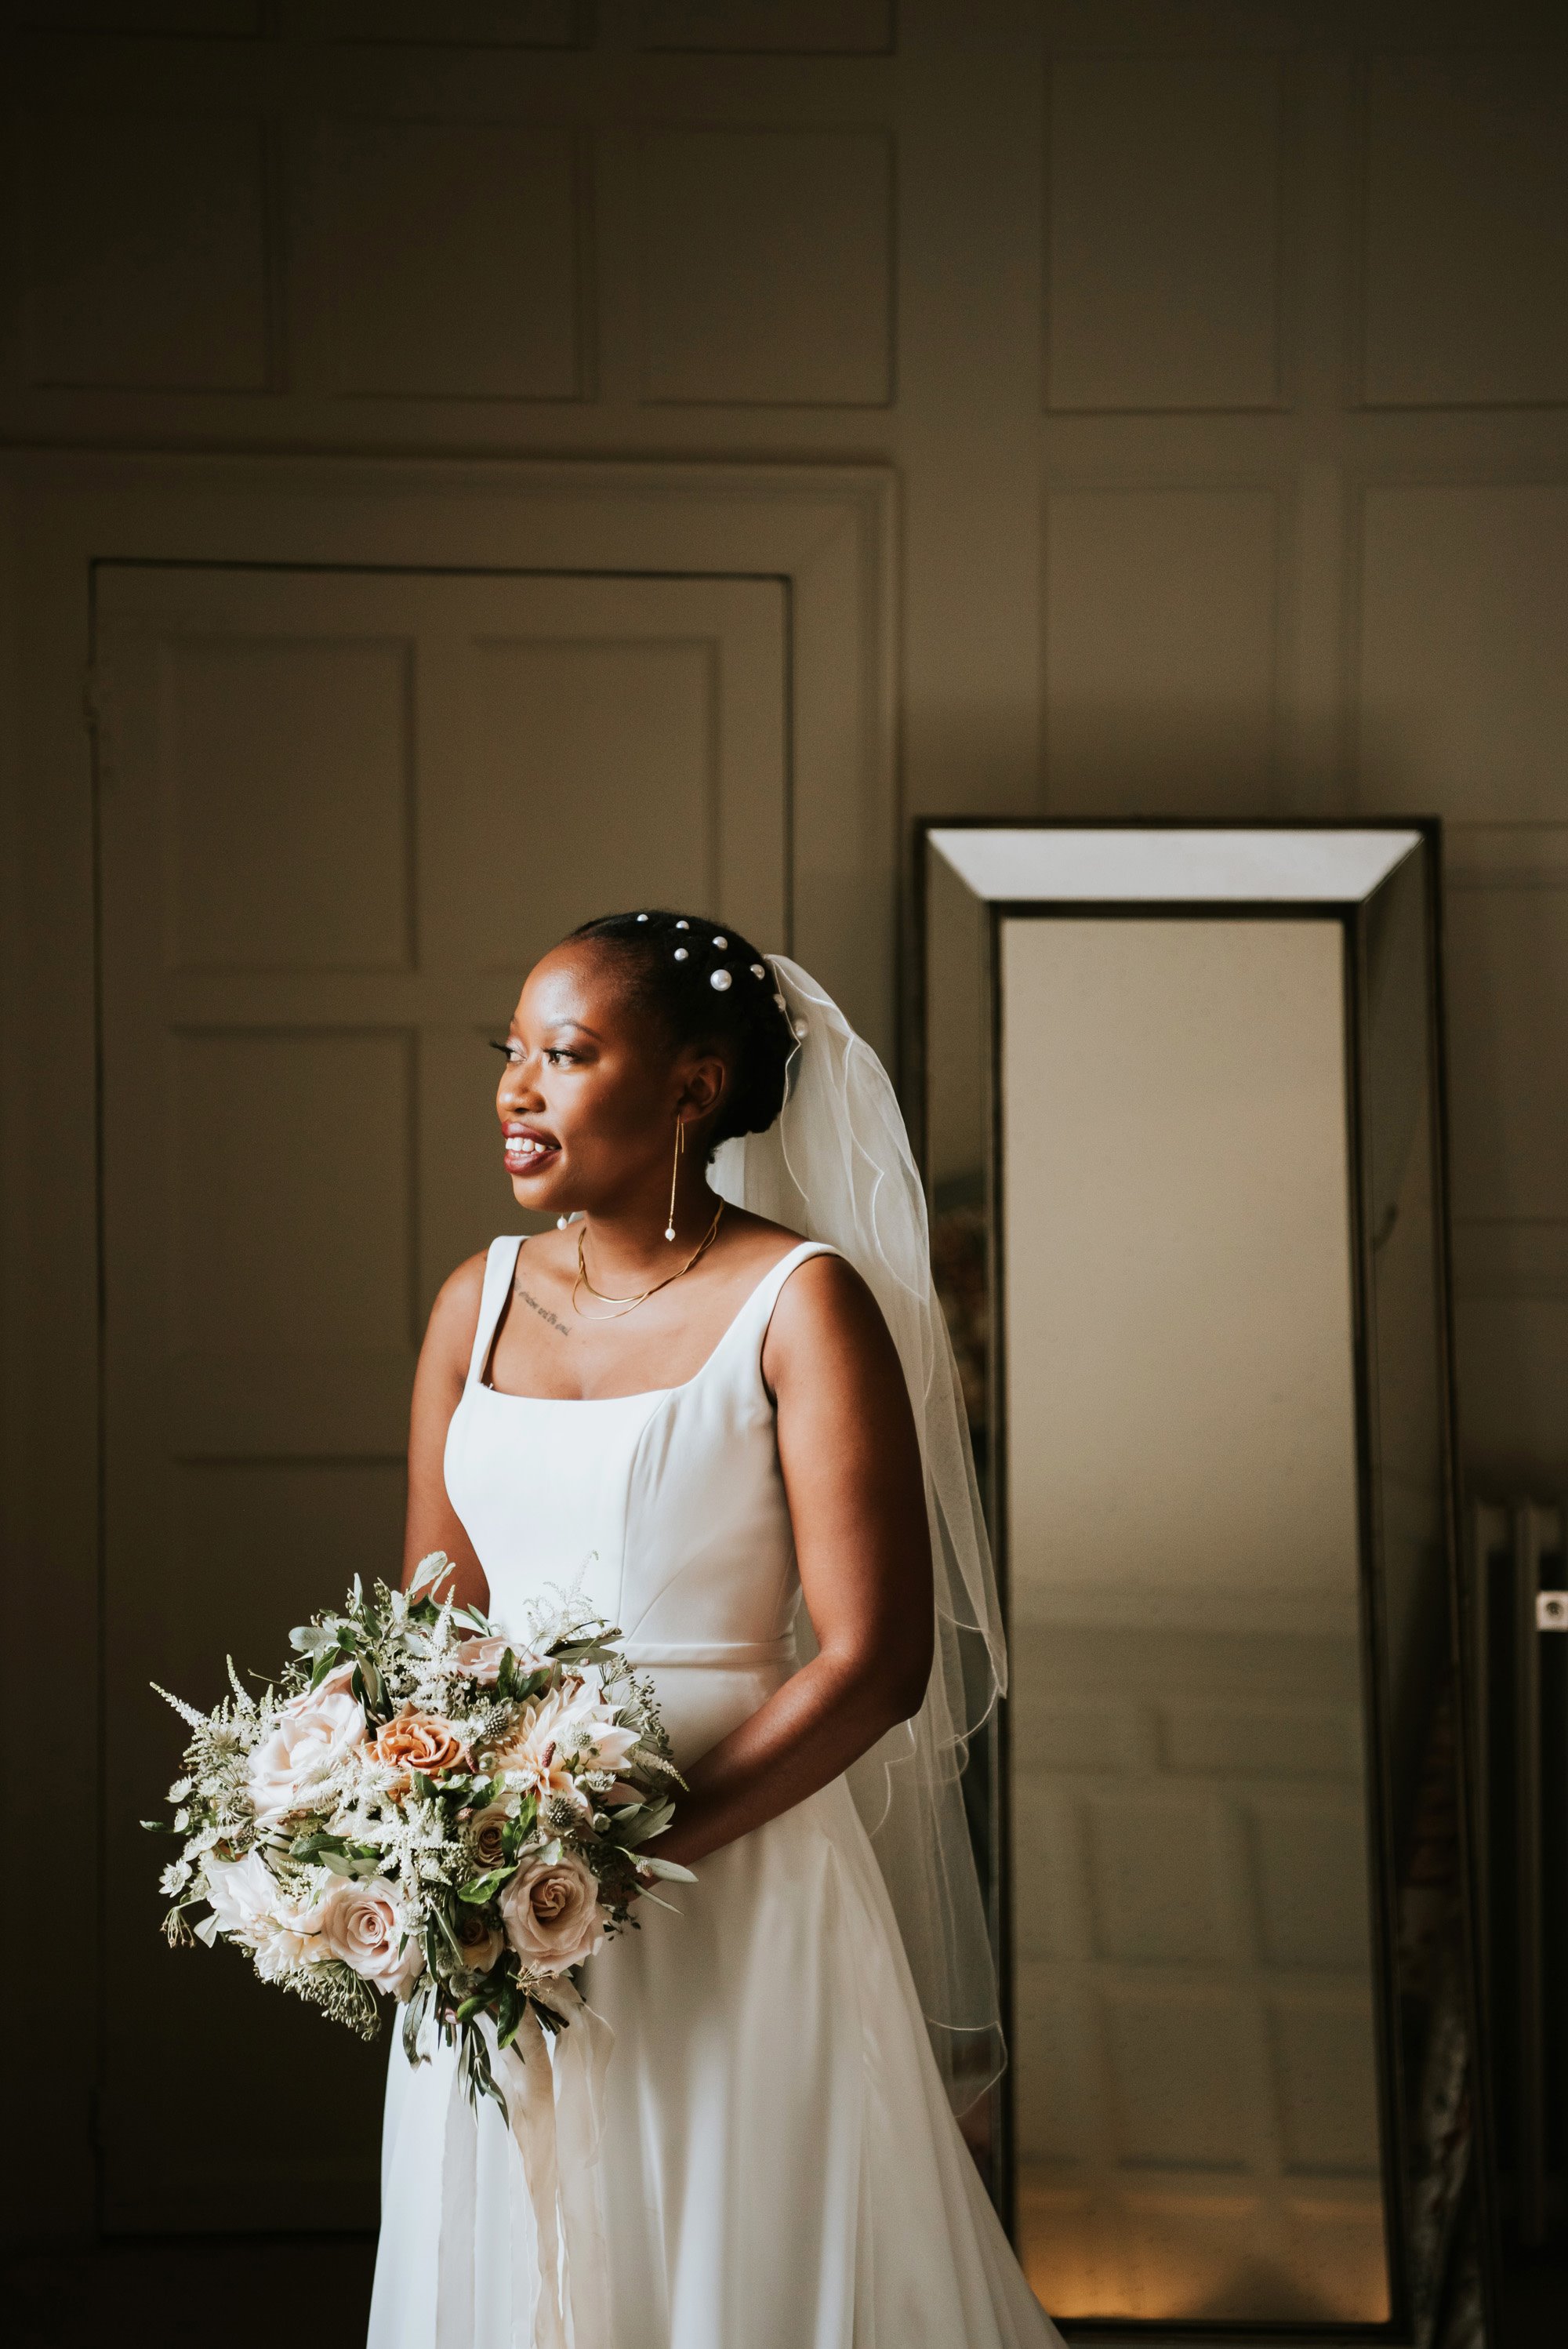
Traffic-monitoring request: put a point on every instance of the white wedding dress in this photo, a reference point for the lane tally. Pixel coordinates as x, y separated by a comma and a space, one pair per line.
780, 2168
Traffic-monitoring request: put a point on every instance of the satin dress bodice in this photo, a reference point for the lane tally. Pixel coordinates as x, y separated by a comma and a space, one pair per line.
665, 1508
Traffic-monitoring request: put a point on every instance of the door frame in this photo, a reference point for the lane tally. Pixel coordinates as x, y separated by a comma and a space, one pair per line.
827, 534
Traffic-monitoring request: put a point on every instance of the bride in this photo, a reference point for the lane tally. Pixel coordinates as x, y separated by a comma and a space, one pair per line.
745, 1447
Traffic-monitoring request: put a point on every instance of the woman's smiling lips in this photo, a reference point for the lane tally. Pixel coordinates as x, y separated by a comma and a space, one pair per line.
528, 1150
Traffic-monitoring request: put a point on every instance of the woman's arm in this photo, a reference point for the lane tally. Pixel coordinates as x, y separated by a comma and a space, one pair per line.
852, 1476
432, 1523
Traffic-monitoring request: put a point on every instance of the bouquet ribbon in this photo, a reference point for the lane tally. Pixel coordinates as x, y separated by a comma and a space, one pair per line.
555, 2104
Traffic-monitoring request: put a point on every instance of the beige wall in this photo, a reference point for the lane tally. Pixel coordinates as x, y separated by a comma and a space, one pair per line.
1221, 353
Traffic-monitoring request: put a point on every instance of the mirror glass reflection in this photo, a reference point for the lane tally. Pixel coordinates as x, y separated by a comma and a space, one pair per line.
1181, 1101
1196, 2125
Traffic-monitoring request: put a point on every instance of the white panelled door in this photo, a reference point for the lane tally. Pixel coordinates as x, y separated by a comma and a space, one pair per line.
341, 812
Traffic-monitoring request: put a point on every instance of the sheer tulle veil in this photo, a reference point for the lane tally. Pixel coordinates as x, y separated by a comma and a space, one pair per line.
836, 1166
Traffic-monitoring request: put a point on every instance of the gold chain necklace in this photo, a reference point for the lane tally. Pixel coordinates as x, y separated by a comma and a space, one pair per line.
626, 1304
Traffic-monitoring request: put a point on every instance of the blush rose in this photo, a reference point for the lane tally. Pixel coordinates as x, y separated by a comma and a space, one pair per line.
481, 1658
363, 1925
552, 1914
481, 1939
487, 1834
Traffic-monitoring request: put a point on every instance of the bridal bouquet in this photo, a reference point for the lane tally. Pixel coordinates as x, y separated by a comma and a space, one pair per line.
425, 1809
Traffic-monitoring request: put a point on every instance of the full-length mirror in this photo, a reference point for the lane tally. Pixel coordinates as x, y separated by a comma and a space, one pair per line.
1182, 1129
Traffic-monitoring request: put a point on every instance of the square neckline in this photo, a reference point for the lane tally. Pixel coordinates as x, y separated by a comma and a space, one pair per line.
478, 1379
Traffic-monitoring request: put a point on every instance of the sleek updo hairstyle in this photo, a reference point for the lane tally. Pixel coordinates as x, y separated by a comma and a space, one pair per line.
710, 990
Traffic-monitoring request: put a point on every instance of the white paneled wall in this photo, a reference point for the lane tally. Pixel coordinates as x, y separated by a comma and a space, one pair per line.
1221, 354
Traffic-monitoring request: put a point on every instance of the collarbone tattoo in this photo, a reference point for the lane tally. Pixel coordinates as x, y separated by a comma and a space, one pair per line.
543, 1311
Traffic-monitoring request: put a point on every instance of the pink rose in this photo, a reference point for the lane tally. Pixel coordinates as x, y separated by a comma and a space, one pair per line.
480, 1938
337, 1682
481, 1658
486, 1833
363, 1925
552, 1914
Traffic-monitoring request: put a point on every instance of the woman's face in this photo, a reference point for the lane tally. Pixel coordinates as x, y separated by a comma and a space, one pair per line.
587, 1102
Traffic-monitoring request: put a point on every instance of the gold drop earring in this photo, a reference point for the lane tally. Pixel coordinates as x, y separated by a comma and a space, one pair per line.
675, 1174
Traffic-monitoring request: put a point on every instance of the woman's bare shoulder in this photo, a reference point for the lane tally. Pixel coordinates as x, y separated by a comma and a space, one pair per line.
825, 1300
757, 1239
454, 1316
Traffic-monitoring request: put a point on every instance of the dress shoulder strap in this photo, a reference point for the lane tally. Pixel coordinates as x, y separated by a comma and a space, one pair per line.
499, 1265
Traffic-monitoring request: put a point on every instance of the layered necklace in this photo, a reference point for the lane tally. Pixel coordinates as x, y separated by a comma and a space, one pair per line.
624, 1305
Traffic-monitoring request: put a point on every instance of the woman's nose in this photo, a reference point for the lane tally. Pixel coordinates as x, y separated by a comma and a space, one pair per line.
518, 1083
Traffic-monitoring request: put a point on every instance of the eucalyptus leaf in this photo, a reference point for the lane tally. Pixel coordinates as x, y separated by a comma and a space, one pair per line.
636, 1828
670, 1867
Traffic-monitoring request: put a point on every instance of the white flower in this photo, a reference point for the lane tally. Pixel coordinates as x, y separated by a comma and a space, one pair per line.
303, 1744
175, 1877
552, 1914
250, 1905
363, 1925
295, 1938
243, 1893
568, 1732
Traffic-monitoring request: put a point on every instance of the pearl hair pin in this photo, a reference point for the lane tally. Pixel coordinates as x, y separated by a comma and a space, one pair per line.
720, 979
720, 944
758, 970
642, 918
680, 954
682, 926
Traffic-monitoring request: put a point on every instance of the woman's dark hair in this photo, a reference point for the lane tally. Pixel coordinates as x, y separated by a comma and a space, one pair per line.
709, 989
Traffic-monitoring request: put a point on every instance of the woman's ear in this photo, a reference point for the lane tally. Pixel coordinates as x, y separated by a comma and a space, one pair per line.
706, 1079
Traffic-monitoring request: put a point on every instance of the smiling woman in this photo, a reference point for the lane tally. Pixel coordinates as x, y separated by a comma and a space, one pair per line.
701, 1445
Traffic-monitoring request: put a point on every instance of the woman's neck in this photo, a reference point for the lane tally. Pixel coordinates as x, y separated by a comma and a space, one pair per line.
629, 1237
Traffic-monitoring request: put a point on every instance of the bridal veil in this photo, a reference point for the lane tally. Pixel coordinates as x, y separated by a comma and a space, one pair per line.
836, 1166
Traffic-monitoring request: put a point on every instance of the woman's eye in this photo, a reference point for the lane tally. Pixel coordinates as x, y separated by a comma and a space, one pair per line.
556, 1053
512, 1052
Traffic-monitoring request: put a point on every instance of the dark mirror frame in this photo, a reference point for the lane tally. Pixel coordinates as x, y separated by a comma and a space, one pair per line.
1435, 2137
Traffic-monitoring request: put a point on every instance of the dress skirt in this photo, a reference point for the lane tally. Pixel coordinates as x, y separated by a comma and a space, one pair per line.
780, 2165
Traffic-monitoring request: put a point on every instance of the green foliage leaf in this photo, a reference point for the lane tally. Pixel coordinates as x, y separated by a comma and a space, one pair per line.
414, 2015
480, 1889
634, 1827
